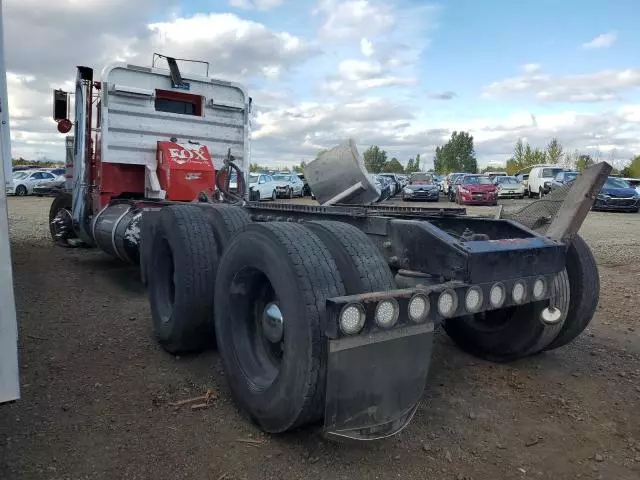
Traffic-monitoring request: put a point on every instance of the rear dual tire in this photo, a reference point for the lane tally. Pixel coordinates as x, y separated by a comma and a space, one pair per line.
302, 266
508, 334
179, 263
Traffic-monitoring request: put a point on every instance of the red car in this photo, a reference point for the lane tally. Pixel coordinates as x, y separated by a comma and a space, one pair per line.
476, 190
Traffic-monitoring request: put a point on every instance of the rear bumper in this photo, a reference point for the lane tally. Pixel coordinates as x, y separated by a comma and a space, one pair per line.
511, 194
376, 378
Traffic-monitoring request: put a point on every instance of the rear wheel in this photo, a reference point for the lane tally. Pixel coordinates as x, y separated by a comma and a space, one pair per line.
585, 291
362, 267
21, 191
61, 222
511, 333
226, 221
181, 277
273, 282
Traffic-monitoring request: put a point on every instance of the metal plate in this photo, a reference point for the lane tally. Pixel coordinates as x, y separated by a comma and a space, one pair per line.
375, 381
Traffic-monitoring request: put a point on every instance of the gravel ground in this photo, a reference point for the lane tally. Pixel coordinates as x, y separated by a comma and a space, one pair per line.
96, 389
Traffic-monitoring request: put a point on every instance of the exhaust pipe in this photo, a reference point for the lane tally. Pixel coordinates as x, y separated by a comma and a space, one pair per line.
82, 155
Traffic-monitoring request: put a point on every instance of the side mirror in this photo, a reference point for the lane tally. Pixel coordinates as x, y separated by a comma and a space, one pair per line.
60, 105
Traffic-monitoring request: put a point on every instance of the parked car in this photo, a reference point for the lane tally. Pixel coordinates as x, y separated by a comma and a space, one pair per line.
508, 187
306, 189
394, 182
476, 190
262, 186
493, 175
617, 195
421, 186
288, 185
51, 187
523, 178
453, 187
563, 178
23, 182
384, 184
634, 182
540, 178
449, 180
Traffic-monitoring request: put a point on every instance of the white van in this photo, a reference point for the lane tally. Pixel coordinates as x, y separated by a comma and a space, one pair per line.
540, 178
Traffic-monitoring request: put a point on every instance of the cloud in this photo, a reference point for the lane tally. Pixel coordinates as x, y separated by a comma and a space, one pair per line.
391, 39
75, 35
366, 47
531, 67
352, 19
355, 71
255, 4
600, 86
448, 95
601, 41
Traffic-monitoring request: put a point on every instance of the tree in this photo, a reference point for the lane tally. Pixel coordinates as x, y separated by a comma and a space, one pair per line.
525, 156
554, 152
633, 169
583, 161
457, 155
254, 167
393, 166
410, 166
416, 164
438, 164
300, 168
492, 168
375, 159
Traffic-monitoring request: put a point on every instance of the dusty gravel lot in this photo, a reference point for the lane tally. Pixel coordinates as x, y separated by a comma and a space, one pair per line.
96, 389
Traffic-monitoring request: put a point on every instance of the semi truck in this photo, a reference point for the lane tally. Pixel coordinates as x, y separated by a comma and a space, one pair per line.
324, 313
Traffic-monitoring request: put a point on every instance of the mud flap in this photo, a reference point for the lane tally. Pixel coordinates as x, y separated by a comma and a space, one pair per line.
375, 381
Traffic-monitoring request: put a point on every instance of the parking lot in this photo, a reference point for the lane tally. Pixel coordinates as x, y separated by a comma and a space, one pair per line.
98, 393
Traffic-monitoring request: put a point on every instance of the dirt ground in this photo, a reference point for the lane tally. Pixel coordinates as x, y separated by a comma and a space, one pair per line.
96, 389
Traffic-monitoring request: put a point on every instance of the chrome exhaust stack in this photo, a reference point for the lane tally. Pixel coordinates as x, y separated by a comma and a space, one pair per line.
82, 155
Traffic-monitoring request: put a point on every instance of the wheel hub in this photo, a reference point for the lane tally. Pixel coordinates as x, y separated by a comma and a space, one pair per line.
62, 225
273, 323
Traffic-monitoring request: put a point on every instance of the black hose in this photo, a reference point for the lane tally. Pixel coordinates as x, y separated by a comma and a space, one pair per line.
228, 168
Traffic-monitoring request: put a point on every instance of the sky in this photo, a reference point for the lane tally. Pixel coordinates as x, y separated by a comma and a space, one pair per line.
400, 74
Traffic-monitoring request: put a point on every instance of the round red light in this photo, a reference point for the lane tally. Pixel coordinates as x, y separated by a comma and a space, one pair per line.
64, 125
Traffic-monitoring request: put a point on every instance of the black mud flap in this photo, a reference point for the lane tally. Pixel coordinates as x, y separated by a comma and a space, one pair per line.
375, 381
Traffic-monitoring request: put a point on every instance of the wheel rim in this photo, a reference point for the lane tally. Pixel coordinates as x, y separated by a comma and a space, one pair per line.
21, 191
259, 332
62, 225
165, 271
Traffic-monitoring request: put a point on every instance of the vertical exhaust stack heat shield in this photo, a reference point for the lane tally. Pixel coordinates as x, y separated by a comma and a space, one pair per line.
81, 154
339, 176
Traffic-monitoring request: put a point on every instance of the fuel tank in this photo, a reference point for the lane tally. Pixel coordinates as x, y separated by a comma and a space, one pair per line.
116, 230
